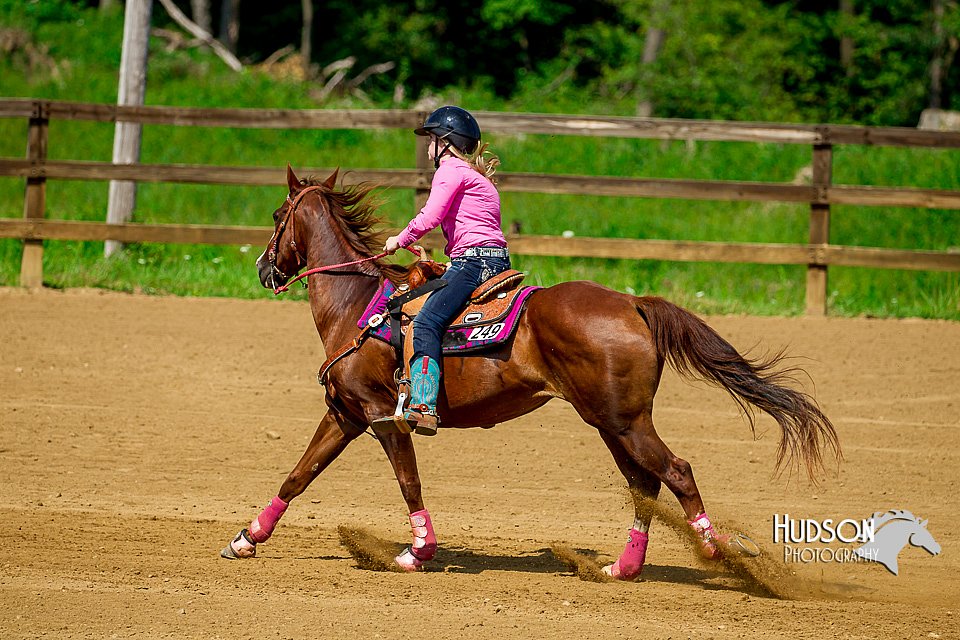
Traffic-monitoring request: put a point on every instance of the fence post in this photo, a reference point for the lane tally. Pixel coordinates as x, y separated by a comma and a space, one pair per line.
819, 228
423, 166
35, 195
424, 169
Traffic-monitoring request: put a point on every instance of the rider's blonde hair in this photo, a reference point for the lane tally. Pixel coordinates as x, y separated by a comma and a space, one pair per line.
483, 161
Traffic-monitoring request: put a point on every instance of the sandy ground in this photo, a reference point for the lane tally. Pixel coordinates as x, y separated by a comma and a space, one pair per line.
139, 434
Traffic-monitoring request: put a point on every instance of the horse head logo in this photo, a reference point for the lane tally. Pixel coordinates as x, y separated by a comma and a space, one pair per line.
892, 531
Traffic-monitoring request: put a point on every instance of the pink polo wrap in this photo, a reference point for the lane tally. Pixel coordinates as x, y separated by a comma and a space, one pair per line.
630, 563
263, 525
710, 540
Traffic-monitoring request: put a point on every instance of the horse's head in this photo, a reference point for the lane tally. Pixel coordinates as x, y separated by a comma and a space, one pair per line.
285, 253
922, 538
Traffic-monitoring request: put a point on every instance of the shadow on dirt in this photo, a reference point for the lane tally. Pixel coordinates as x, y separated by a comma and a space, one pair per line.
373, 553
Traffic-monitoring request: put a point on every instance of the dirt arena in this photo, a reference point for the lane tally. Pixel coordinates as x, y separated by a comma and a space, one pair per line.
141, 433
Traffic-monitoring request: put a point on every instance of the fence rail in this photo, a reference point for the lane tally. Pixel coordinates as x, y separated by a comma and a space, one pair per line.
818, 254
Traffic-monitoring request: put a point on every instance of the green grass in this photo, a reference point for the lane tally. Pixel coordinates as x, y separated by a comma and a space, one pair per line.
196, 78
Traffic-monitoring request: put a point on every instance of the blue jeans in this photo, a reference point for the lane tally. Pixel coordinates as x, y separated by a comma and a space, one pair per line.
463, 276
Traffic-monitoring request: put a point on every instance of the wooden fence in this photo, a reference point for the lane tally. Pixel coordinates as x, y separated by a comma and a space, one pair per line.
817, 254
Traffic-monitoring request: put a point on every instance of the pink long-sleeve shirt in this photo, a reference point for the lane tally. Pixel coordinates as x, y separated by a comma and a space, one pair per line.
464, 204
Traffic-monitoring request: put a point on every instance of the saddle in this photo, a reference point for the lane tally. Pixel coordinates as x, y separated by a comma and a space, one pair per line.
489, 318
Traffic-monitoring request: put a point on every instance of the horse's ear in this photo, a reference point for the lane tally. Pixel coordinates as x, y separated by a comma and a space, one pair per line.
331, 182
292, 180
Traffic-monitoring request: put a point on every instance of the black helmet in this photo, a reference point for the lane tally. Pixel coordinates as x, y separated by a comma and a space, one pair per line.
453, 125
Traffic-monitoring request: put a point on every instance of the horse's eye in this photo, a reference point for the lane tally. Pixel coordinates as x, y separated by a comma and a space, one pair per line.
276, 216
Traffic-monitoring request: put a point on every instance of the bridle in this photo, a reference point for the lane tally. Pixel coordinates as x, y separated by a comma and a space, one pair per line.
291, 217
272, 253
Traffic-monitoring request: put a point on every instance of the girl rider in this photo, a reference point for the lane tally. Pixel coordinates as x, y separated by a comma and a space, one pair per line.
465, 203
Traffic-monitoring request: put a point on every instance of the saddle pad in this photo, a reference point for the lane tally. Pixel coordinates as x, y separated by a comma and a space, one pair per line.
378, 307
476, 328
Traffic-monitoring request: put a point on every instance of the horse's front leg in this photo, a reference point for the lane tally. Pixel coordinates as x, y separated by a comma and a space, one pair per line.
403, 458
333, 435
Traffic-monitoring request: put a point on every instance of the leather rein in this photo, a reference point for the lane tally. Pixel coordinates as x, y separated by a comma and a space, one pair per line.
302, 261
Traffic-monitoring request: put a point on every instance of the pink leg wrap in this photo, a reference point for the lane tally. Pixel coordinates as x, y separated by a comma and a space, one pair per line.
630, 563
709, 538
263, 525
424, 540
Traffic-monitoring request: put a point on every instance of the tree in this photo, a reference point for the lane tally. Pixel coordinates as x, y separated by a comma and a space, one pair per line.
651, 48
936, 64
200, 10
846, 41
306, 34
230, 24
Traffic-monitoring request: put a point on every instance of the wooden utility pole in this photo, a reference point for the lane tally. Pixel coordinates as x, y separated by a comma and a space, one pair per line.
133, 87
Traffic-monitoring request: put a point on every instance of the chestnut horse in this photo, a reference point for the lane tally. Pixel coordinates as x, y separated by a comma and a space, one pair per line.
600, 350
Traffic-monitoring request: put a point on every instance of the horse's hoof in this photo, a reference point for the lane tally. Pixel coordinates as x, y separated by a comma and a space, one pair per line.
240, 547
409, 562
614, 571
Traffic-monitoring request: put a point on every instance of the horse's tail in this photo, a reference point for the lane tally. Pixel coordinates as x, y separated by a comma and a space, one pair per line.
697, 351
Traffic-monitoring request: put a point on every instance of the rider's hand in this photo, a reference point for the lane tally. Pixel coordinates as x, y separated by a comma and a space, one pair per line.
391, 245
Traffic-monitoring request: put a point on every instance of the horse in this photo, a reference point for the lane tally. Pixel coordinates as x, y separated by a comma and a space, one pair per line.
598, 349
891, 533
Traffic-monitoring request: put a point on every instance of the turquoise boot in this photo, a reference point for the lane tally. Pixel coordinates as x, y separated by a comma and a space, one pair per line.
424, 386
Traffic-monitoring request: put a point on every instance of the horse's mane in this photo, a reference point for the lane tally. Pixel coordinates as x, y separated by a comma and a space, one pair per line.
354, 209
881, 519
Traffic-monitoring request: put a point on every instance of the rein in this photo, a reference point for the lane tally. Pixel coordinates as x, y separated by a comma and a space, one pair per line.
274, 250
310, 272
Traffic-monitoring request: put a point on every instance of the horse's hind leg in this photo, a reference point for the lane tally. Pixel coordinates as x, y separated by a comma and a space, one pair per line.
644, 486
333, 435
641, 443
403, 459
646, 461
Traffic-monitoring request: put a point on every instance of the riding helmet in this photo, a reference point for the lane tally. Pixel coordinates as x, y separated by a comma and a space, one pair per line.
454, 125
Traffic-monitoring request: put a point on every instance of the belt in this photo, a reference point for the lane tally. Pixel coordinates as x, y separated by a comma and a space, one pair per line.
485, 252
